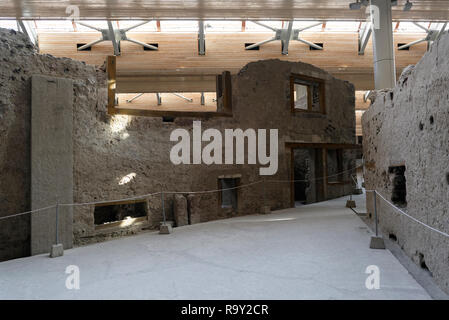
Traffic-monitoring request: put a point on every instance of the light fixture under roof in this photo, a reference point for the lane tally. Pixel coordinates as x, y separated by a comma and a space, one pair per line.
408, 5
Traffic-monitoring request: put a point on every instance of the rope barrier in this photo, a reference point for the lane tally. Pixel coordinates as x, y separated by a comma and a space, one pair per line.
407, 215
141, 197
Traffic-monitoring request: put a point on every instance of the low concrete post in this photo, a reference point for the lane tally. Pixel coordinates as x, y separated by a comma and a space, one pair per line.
56, 249
376, 241
350, 203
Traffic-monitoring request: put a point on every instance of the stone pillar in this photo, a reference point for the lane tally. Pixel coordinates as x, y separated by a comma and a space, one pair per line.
194, 207
51, 161
384, 65
180, 210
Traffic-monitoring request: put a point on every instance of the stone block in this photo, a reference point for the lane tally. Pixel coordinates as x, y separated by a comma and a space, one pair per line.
350, 204
165, 229
377, 243
266, 210
180, 210
57, 250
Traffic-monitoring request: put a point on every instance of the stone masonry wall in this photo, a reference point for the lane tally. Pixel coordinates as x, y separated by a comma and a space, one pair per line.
124, 156
18, 61
408, 125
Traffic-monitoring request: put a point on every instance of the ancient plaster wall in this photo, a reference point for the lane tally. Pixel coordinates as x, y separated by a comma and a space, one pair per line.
113, 148
123, 156
19, 60
408, 125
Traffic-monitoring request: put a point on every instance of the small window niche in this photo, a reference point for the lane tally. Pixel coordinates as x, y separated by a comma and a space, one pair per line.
307, 94
229, 192
399, 192
119, 214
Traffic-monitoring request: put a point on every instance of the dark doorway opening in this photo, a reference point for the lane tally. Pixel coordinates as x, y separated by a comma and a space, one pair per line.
307, 175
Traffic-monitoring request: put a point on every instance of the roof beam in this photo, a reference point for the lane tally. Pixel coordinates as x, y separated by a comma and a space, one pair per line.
29, 30
364, 35
201, 39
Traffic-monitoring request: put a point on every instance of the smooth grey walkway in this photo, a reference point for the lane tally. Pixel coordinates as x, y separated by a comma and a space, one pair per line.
317, 251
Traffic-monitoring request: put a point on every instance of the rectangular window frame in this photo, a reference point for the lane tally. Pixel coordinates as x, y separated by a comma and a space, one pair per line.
321, 83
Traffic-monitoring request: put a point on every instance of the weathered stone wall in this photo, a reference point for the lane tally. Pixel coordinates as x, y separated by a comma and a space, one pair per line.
19, 60
408, 125
124, 156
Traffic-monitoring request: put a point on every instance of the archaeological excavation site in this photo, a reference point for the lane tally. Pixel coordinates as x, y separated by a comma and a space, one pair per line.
273, 152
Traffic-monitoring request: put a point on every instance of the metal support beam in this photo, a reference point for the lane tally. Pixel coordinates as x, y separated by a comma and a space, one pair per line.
384, 60
181, 96
134, 98
116, 36
286, 35
202, 99
29, 30
364, 36
201, 39
115, 42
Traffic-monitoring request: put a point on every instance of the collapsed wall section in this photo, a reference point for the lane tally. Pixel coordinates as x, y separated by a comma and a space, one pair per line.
406, 150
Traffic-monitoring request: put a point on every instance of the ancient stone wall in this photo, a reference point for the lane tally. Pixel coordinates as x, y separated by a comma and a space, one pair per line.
407, 128
19, 60
117, 157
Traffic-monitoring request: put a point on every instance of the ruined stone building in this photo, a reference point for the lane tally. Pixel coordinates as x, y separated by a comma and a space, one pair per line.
273, 149
96, 157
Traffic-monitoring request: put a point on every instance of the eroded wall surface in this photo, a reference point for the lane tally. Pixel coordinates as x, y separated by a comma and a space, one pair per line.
408, 126
19, 60
117, 157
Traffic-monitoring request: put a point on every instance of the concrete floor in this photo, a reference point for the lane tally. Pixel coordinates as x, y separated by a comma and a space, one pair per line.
317, 251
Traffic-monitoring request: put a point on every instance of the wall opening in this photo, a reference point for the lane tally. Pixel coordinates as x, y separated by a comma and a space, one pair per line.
109, 213
422, 262
307, 94
399, 192
393, 237
307, 175
229, 196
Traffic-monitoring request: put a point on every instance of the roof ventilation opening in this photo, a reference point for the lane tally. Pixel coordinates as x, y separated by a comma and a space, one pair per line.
250, 44
78, 45
150, 49
403, 44
318, 44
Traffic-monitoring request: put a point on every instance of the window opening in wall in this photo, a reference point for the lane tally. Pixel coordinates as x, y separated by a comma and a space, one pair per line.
107, 214
399, 193
228, 195
307, 94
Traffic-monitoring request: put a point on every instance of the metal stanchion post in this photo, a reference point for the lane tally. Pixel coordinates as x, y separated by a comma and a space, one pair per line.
350, 203
376, 241
165, 228
57, 249
375, 210
57, 224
